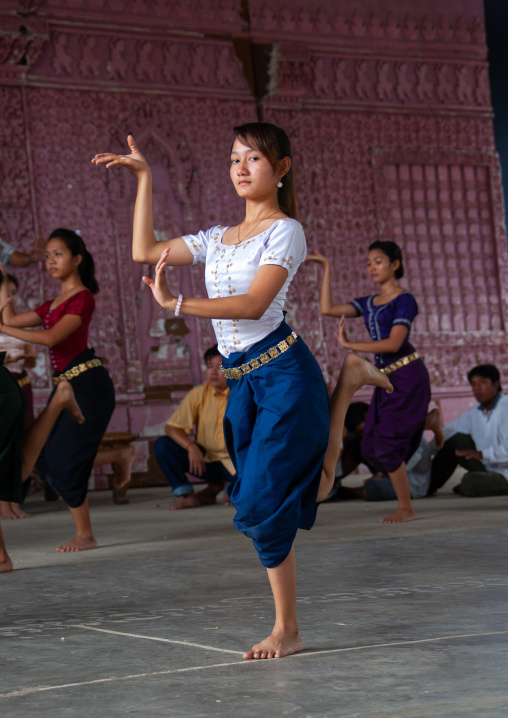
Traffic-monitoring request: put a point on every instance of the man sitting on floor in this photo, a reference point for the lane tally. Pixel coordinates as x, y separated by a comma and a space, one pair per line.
379, 487
206, 457
477, 440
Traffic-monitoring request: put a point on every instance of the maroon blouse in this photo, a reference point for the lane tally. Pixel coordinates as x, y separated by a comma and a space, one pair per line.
83, 304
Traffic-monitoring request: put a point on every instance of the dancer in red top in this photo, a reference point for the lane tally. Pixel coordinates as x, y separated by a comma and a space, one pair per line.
68, 455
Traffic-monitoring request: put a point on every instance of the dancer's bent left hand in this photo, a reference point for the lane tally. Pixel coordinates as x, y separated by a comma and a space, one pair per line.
160, 290
341, 335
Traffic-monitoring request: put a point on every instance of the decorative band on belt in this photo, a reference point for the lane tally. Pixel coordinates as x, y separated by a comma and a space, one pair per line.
24, 381
77, 370
273, 353
403, 361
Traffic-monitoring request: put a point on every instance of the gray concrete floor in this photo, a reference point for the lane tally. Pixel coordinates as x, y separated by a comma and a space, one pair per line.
406, 620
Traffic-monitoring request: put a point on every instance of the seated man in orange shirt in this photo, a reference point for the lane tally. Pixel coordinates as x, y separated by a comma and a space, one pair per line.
206, 456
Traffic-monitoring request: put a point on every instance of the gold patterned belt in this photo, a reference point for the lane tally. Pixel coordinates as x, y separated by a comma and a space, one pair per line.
77, 370
403, 361
24, 381
273, 353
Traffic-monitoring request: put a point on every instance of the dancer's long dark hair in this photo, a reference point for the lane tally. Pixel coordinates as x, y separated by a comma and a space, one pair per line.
273, 143
76, 246
393, 252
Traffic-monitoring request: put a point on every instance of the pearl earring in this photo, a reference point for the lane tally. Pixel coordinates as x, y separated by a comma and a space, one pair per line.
279, 184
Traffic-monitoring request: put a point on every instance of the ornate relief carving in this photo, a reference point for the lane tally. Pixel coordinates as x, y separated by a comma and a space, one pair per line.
364, 81
282, 17
341, 216
203, 65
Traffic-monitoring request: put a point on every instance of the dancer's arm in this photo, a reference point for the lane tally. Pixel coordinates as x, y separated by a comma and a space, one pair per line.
36, 254
326, 305
267, 283
145, 247
390, 345
47, 337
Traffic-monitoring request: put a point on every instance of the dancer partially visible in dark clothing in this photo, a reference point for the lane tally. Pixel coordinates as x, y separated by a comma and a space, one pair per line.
68, 456
395, 423
19, 356
19, 450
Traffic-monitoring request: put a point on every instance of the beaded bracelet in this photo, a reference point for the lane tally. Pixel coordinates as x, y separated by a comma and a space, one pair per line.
178, 304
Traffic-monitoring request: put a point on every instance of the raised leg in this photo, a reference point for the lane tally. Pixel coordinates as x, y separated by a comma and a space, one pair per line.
355, 373
404, 511
84, 538
38, 433
434, 423
284, 638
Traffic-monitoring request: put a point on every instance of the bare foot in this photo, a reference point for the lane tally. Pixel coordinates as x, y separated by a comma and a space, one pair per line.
206, 497
6, 511
126, 456
80, 543
20, 514
65, 394
5, 564
361, 372
277, 645
434, 423
399, 516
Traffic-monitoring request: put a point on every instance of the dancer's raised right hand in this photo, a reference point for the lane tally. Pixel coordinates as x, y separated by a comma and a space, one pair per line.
317, 257
135, 162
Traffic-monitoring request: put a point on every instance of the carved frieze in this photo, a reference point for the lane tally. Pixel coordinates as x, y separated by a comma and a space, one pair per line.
349, 80
326, 23
96, 59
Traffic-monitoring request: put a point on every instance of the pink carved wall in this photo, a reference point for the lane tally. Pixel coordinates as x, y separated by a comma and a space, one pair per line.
390, 118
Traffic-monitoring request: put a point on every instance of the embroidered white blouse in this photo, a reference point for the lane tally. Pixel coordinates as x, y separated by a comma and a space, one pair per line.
230, 269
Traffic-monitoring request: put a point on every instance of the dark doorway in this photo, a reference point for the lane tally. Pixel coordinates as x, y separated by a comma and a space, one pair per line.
496, 25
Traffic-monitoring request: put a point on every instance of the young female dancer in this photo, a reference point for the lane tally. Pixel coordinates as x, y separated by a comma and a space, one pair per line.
394, 425
277, 419
68, 456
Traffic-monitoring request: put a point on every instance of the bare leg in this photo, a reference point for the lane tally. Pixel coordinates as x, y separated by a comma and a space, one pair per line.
404, 511
285, 638
355, 373
5, 561
38, 433
434, 423
203, 498
84, 539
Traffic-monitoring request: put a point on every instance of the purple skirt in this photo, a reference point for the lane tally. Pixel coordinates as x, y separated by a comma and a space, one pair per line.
395, 422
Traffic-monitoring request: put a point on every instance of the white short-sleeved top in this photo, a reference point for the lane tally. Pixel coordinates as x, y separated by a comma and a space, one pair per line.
230, 269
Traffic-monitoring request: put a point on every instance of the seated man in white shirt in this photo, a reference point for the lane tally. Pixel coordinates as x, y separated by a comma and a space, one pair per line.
477, 440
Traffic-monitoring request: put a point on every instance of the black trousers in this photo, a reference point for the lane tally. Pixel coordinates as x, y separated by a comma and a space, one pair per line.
476, 482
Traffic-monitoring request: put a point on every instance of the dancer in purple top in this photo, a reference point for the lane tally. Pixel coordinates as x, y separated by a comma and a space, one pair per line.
395, 422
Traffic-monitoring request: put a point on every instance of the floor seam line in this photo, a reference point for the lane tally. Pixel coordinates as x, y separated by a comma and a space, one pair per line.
110, 679
156, 638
